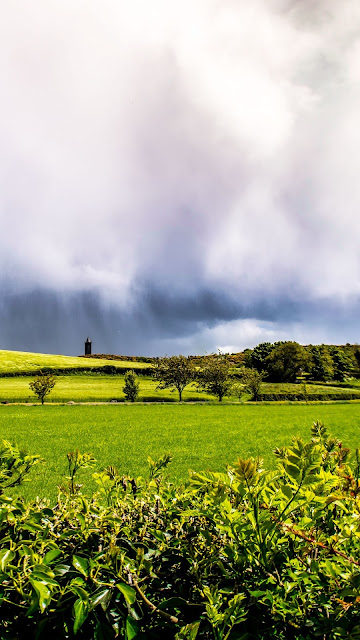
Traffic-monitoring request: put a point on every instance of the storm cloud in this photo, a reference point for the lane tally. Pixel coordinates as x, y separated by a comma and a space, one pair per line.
178, 176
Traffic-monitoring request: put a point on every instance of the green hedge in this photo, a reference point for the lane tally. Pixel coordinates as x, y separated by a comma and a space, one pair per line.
292, 396
107, 369
241, 555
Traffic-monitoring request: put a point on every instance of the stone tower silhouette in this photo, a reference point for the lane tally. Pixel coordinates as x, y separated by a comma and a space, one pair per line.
88, 347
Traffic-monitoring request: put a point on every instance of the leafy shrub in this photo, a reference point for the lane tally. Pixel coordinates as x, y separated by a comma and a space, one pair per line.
236, 555
131, 386
42, 385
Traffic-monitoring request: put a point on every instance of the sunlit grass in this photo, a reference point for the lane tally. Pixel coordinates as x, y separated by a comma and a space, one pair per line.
104, 388
198, 436
26, 361
91, 388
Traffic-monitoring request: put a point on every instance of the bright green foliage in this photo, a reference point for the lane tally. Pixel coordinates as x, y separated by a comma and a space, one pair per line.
77, 461
237, 555
174, 372
131, 386
15, 465
214, 376
42, 385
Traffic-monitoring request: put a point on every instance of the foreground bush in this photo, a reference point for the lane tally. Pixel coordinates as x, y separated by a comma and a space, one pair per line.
231, 556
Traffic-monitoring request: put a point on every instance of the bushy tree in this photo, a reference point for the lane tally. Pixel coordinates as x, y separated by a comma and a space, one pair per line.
42, 385
174, 372
322, 364
285, 361
251, 381
259, 355
131, 386
343, 364
214, 376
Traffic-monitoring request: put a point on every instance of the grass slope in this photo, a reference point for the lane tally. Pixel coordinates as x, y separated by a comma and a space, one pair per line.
26, 361
198, 436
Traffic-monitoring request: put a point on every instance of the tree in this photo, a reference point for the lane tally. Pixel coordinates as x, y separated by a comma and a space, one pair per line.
343, 364
322, 364
285, 361
259, 355
251, 381
174, 372
42, 385
131, 386
214, 376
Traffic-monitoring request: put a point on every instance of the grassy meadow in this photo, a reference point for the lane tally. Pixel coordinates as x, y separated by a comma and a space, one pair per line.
198, 436
13, 361
90, 387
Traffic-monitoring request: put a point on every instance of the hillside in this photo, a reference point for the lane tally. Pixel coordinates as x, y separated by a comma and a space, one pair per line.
24, 361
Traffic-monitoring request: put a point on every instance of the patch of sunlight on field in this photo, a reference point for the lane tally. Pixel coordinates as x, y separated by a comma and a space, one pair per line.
90, 388
26, 361
198, 436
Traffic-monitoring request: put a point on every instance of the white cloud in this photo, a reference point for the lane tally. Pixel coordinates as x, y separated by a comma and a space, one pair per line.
192, 145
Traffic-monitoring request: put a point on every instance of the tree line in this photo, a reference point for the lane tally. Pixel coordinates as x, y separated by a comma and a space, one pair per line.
286, 361
222, 375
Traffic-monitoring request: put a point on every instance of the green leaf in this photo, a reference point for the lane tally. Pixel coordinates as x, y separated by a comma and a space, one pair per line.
132, 628
127, 591
292, 470
286, 490
61, 569
43, 568
44, 578
99, 598
81, 611
257, 594
189, 632
83, 595
6, 556
43, 592
50, 556
82, 565
27, 551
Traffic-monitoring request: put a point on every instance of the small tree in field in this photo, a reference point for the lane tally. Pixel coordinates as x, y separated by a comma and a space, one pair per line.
214, 377
174, 372
42, 385
131, 386
251, 381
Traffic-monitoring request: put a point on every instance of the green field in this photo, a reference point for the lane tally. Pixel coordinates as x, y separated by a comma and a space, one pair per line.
26, 361
104, 388
198, 436
90, 388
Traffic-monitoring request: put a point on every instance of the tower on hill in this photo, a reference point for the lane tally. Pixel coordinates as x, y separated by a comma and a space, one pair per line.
88, 347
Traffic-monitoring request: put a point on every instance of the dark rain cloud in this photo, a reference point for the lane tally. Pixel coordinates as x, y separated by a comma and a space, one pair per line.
178, 178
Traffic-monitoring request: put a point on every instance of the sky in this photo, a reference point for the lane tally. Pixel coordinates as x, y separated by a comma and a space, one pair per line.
178, 177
